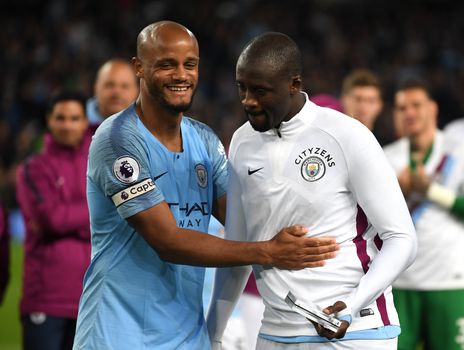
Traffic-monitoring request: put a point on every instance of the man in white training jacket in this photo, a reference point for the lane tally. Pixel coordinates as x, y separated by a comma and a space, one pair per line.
294, 162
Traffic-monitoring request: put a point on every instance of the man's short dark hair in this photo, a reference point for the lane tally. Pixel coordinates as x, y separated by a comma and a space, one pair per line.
415, 83
66, 96
275, 49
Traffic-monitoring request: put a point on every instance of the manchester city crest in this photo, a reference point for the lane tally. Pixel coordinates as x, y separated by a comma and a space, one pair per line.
202, 175
312, 169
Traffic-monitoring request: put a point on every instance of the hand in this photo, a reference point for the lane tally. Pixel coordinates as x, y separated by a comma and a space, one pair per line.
404, 179
289, 249
420, 181
323, 332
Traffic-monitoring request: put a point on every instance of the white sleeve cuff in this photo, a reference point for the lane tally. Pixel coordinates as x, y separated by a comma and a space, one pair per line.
441, 195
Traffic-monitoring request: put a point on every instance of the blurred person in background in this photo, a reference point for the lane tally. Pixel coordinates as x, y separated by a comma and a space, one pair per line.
115, 89
361, 97
51, 196
429, 295
327, 100
4, 252
455, 130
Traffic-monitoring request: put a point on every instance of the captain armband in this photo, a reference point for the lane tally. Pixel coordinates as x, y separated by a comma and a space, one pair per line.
441, 195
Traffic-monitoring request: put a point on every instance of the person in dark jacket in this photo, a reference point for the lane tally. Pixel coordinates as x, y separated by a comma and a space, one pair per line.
51, 195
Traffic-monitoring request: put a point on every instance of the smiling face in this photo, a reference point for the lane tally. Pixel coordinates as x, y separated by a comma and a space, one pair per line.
168, 66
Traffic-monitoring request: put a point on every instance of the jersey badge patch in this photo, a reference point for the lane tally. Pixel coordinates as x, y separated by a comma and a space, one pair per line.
312, 169
126, 169
202, 175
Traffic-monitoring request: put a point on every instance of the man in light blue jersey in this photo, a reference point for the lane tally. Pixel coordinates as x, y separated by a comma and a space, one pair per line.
154, 178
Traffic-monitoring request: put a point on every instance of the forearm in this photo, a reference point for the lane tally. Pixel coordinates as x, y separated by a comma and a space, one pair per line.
182, 246
396, 255
446, 198
228, 286
63, 218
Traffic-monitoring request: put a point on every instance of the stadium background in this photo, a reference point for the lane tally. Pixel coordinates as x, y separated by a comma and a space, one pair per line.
48, 45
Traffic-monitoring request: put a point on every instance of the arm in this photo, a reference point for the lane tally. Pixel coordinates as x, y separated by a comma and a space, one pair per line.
288, 249
379, 195
229, 282
38, 195
374, 184
436, 193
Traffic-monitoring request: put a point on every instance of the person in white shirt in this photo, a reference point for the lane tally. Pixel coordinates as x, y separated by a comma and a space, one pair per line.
429, 295
455, 131
296, 162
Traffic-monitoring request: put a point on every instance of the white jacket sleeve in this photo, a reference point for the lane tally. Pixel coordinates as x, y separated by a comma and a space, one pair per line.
377, 191
229, 282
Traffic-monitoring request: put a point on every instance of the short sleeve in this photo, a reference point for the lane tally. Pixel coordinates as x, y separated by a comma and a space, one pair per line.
119, 166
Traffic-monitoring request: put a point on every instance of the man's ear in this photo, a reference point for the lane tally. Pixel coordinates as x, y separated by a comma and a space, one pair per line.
295, 84
138, 69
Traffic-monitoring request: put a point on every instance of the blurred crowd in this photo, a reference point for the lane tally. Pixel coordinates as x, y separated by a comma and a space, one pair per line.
54, 44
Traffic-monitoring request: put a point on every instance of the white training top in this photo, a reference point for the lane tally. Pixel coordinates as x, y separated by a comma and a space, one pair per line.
316, 174
439, 263
454, 131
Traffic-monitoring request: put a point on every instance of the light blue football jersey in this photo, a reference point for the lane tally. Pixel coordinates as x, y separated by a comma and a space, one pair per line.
132, 299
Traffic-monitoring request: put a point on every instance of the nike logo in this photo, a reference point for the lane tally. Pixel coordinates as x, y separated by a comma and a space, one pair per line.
251, 172
157, 177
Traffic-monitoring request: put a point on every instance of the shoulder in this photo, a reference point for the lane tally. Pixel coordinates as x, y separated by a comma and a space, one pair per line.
203, 130
457, 124
243, 135
338, 124
33, 165
400, 146
117, 133
209, 138
347, 132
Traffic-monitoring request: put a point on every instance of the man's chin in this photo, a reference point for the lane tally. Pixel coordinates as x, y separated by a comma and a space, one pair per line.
178, 107
260, 128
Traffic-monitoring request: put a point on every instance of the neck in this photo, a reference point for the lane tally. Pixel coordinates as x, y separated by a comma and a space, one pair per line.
298, 103
162, 123
421, 143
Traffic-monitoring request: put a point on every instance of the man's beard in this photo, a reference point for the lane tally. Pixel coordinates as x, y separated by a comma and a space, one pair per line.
259, 127
178, 108
175, 108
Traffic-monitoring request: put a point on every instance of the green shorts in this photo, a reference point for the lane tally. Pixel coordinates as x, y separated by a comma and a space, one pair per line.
432, 318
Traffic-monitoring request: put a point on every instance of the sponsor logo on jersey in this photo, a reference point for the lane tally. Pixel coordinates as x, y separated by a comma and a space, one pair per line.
202, 175
251, 172
126, 169
312, 169
133, 191
197, 210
